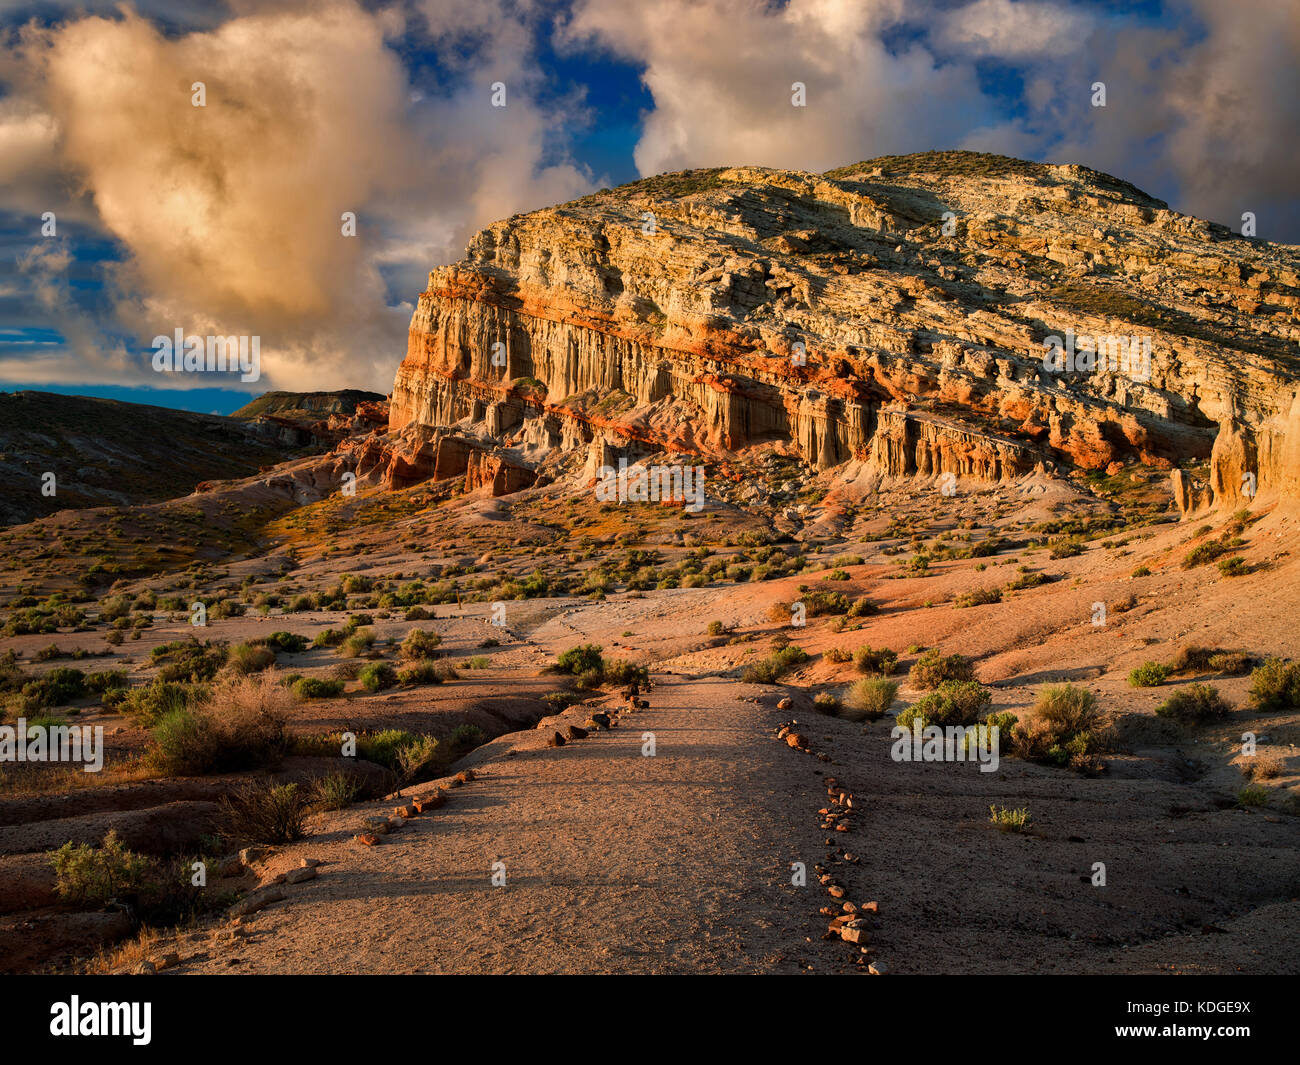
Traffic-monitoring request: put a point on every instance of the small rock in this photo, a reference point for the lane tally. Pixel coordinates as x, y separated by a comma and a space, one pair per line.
309, 863
368, 839
258, 900
785, 703
167, 960
249, 855
797, 740
297, 876
555, 740
577, 733
877, 968
145, 968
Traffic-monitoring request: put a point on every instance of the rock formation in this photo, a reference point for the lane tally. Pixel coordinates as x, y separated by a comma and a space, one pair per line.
894, 313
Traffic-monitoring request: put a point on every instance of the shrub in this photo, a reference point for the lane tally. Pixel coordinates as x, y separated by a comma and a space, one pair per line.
418, 759
335, 791
1149, 675
148, 704
1233, 663
241, 725
1233, 567
108, 680
245, 658
770, 669
980, 597
862, 608
1253, 795
286, 642
869, 660
933, 669
1009, 820
188, 661
838, 655
97, 874
826, 703
1061, 729
424, 672
264, 813
317, 688
582, 659
1207, 552
716, 628
357, 644
478, 662
869, 699
817, 604
1275, 685
1195, 704
329, 638
1066, 549
377, 676
58, 687
954, 702
420, 644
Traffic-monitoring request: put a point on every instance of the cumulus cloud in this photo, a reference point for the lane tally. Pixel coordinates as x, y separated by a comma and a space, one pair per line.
722, 74
231, 212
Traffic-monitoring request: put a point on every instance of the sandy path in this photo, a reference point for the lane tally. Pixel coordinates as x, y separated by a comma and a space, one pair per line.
615, 862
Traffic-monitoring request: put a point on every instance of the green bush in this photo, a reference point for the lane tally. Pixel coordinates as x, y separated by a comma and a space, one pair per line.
933, 669
1233, 567
582, 659
335, 791
980, 597
188, 661
1061, 729
1195, 704
1149, 675
357, 644
243, 724
264, 813
424, 672
1275, 685
770, 669
317, 688
58, 687
150, 703
287, 642
954, 702
869, 660
377, 676
246, 658
869, 699
86, 874
1206, 552
420, 644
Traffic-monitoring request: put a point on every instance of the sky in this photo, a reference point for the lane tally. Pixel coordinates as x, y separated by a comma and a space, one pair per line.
227, 218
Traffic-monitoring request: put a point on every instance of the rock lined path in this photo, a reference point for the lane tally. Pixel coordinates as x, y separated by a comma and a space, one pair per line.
614, 861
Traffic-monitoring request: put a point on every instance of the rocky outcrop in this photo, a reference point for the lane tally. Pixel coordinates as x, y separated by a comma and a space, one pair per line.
894, 313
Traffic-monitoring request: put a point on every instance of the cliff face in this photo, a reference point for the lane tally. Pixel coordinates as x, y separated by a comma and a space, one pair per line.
893, 312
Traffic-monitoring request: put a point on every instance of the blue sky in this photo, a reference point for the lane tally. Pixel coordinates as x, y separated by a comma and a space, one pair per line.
385, 107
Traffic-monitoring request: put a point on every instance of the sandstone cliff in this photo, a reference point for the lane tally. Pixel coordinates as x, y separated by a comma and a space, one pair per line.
893, 312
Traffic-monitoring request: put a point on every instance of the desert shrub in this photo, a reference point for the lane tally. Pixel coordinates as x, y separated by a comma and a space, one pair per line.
329, 638
148, 704
621, 671
1149, 675
241, 725
979, 597
264, 813
478, 662
1061, 728
838, 655
417, 613
86, 874
287, 642
58, 687
1206, 552
466, 736
1275, 685
188, 661
1066, 549
582, 659
826, 703
869, 699
869, 660
377, 676
1233, 663
420, 644
335, 791
1233, 567
424, 672
317, 688
817, 604
770, 669
106, 681
933, 669
245, 658
954, 702
301, 603
357, 644
1195, 704
1008, 820
1142, 571
862, 607
716, 628
1253, 795
419, 759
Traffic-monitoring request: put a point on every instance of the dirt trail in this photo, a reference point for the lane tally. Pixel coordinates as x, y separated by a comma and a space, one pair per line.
614, 861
